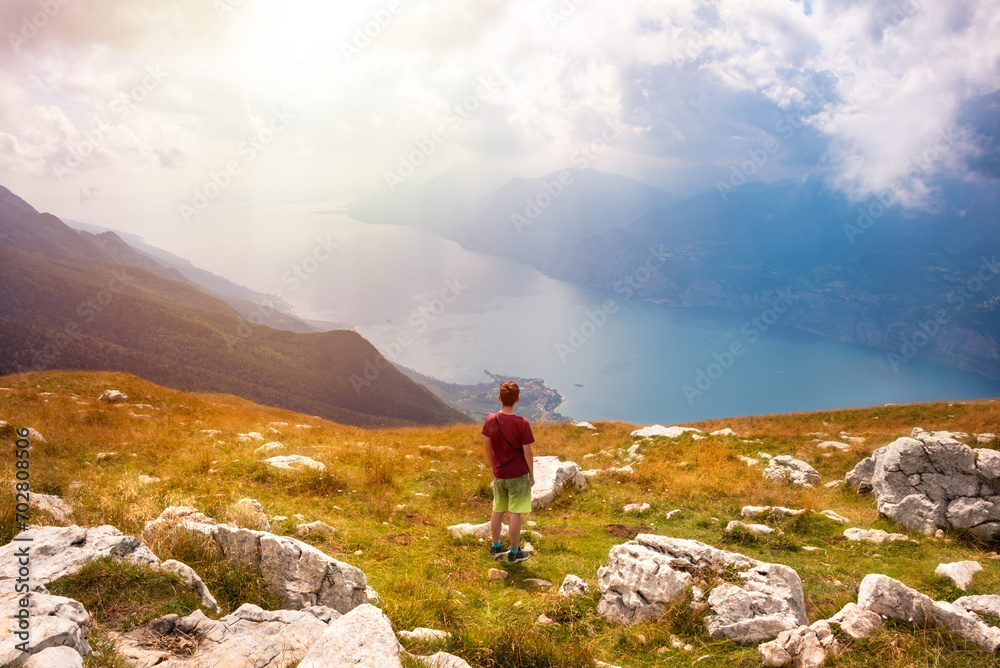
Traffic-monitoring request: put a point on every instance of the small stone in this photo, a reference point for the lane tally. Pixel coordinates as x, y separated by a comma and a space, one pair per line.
358, 553
959, 572
497, 574
544, 619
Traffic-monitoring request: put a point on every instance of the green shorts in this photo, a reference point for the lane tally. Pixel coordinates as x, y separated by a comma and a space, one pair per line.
512, 494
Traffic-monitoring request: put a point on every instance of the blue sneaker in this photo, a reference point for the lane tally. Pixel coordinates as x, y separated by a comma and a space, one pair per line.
517, 557
497, 552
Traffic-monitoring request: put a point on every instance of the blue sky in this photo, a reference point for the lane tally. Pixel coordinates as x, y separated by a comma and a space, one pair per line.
120, 113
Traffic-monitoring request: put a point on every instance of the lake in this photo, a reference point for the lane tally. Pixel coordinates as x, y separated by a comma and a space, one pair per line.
433, 306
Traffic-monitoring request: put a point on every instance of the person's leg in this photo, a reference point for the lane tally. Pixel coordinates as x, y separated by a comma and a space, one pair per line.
515, 531
496, 526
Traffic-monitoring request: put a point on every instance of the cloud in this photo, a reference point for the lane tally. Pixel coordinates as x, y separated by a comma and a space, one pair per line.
855, 90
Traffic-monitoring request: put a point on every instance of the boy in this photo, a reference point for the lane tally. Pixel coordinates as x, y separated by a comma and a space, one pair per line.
507, 441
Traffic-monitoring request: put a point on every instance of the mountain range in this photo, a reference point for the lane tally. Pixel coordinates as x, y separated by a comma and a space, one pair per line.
72, 300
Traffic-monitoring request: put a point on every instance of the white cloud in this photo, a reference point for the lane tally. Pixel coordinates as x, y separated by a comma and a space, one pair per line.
694, 82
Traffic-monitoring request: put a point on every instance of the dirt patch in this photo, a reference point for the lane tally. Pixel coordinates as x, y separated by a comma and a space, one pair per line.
479, 501
623, 531
398, 539
175, 642
417, 518
834, 540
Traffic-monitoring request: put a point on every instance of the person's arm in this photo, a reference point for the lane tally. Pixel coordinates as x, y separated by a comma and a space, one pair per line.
530, 461
488, 447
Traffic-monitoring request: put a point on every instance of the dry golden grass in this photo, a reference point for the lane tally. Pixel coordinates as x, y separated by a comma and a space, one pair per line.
390, 500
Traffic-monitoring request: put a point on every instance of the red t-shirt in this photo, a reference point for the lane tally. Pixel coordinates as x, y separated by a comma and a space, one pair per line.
508, 458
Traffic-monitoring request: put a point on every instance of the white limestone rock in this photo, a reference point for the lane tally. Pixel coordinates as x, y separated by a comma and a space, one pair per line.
988, 604
113, 397
58, 509
476, 530
636, 508
55, 657
856, 621
249, 514
320, 528
268, 448
959, 572
56, 621
804, 647
644, 576
250, 637
835, 516
876, 536
985, 438
585, 425
663, 432
424, 635
193, 580
294, 463
755, 529
148, 479
362, 637
725, 432
573, 585
550, 477
61, 551
300, 575
891, 598
836, 445
933, 481
750, 512
796, 471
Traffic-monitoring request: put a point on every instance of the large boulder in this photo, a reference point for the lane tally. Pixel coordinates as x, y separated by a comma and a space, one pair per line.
362, 637
193, 580
891, 598
294, 463
796, 471
60, 551
301, 575
644, 576
250, 637
932, 481
56, 621
55, 657
550, 476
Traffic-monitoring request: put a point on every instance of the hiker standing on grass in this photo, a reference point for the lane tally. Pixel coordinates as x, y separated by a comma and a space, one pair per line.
507, 441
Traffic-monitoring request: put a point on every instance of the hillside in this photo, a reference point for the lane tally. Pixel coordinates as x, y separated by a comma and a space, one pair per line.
390, 499
65, 303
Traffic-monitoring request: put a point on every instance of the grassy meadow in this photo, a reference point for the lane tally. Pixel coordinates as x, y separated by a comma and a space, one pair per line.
391, 502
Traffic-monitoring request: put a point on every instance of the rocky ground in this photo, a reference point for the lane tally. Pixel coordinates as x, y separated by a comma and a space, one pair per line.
653, 546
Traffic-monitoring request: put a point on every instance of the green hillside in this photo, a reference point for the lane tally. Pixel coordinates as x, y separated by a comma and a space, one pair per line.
65, 304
